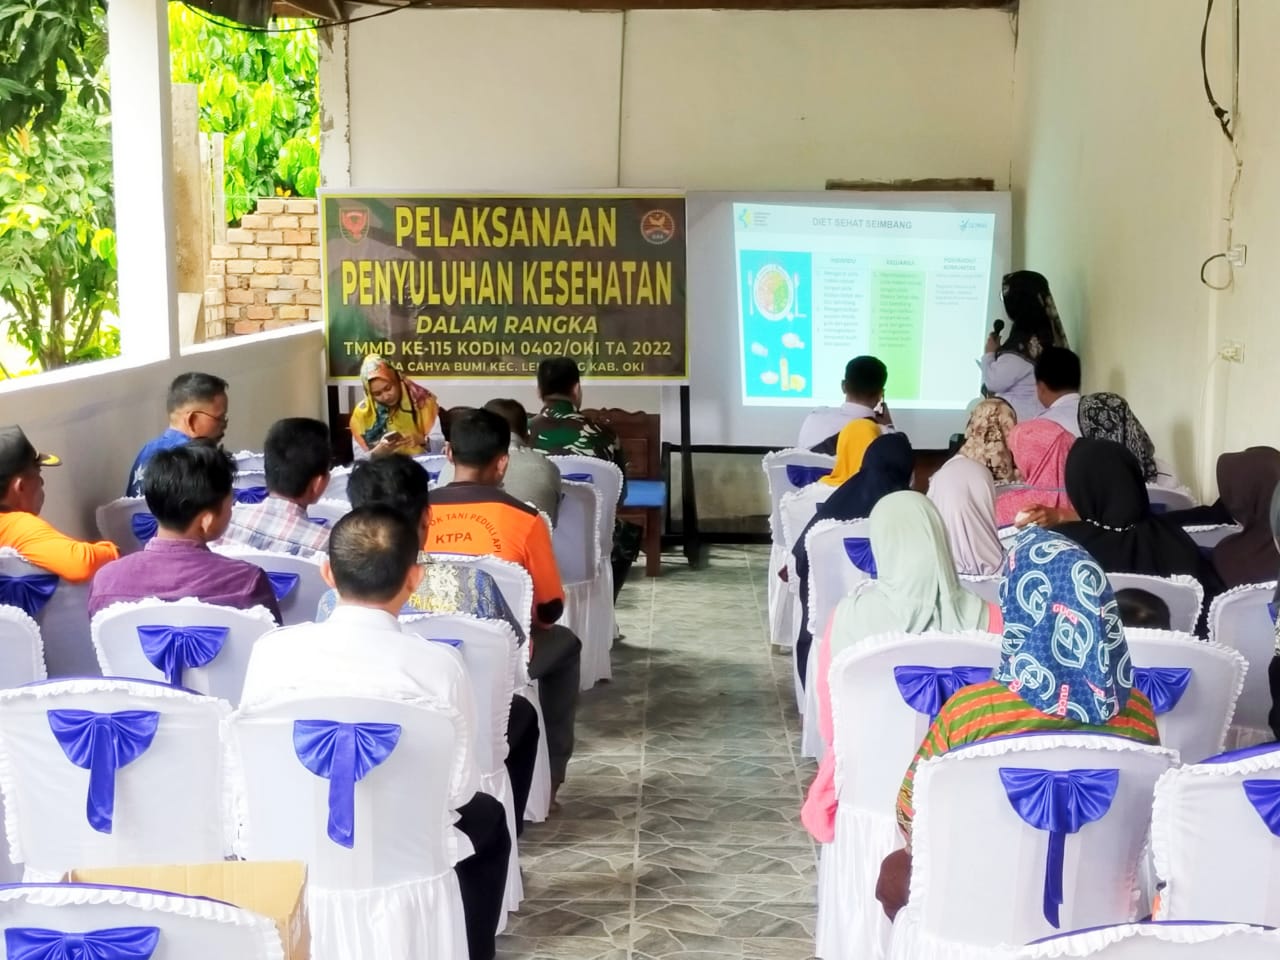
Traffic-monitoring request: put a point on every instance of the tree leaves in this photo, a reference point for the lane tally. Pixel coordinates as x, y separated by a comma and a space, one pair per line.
49, 49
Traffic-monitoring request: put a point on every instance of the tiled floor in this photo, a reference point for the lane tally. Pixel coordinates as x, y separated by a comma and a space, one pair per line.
679, 837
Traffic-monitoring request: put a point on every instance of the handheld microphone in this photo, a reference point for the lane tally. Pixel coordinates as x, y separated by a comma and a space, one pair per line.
998, 327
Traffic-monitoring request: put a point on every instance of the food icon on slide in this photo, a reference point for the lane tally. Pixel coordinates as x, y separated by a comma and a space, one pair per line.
774, 292
791, 340
759, 349
775, 311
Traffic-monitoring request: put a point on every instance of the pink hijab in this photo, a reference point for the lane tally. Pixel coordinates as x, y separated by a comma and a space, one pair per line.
1040, 449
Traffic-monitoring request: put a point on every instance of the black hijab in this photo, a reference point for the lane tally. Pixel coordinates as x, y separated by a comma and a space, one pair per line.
1105, 485
1032, 313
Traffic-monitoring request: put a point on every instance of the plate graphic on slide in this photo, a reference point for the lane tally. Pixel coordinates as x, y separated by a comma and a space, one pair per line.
774, 292
776, 320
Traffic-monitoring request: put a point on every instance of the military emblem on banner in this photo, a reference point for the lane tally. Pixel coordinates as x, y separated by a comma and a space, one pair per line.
353, 219
657, 226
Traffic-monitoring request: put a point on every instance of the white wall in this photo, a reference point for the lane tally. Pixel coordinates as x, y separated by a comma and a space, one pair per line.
96, 417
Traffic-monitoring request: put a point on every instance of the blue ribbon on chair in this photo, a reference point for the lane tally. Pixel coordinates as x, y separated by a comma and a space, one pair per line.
1163, 686
433, 476
1271, 609
802, 476
30, 592
343, 754
282, 584
171, 650
579, 478
102, 743
926, 689
1265, 797
112, 943
1061, 802
144, 526
318, 521
456, 644
1159, 508
860, 555
251, 495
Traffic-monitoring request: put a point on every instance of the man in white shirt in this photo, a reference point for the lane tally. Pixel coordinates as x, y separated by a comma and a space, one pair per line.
361, 650
864, 380
1058, 387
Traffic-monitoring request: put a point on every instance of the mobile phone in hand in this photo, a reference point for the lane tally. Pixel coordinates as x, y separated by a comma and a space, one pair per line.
393, 436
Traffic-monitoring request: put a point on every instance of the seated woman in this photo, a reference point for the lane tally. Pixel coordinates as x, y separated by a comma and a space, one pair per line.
1008, 369
1246, 482
965, 496
886, 468
1080, 645
396, 414
1040, 449
1108, 416
986, 439
916, 589
851, 446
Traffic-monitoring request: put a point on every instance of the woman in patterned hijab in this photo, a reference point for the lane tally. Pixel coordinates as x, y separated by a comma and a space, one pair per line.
1108, 416
1030, 307
986, 438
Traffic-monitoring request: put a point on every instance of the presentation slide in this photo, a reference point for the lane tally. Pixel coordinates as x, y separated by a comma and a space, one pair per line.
817, 285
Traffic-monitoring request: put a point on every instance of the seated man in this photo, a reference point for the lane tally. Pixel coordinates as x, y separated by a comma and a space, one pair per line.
863, 385
188, 489
22, 498
530, 476
361, 651
1058, 388
400, 484
474, 516
197, 406
297, 459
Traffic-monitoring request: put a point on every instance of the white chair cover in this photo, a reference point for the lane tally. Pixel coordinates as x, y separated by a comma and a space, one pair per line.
1193, 711
978, 874
1007, 534
63, 619
117, 637
433, 463
1215, 836
781, 481
298, 581
1241, 619
576, 541
988, 588
393, 892
1156, 941
833, 575
1166, 499
189, 928
337, 489
250, 481
607, 478
329, 510
249, 462
492, 656
1208, 536
116, 523
168, 804
1183, 594
877, 733
23, 649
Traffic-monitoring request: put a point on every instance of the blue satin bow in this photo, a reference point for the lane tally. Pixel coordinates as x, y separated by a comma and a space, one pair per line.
172, 650
282, 584
456, 644
1061, 802
433, 476
1159, 508
343, 754
1271, 609
859, 552
579, 478
1265, 797
113, 943
144, 526
801, 476
30, 592
251, 495
1163, 686
318, 521
102, 743
926, 689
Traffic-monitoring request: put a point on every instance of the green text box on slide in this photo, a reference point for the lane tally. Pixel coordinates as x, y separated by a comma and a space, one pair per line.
897, 327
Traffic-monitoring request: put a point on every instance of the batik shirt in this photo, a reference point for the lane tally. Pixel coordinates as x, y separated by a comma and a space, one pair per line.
561, 429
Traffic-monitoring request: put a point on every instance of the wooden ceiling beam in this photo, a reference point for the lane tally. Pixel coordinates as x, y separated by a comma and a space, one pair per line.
332, 9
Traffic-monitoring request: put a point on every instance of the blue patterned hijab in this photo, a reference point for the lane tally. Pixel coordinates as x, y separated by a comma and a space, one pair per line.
1064, 648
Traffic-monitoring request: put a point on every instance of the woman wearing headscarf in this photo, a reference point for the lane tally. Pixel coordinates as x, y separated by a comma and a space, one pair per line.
965, 496
1008, 369
1273, 670
1247, 482
1040, 449
916, 589
886, 468
396, 414
1065, 667
986, 438
851, 446
1108, 416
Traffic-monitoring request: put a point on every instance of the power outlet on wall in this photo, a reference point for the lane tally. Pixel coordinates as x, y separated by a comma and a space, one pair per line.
1231, 351
1238, 254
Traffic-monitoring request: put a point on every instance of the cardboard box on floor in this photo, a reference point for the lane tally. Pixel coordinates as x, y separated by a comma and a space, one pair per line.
273, 889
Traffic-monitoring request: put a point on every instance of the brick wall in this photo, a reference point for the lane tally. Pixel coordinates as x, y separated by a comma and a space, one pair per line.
267, 274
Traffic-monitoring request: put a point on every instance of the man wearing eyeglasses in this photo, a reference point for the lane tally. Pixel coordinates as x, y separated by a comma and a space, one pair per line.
197, 407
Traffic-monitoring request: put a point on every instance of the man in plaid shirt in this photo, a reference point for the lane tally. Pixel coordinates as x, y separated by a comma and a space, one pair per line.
297, 465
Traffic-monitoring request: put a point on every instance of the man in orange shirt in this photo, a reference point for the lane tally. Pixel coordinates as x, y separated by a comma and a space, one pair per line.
21, 499
474, 516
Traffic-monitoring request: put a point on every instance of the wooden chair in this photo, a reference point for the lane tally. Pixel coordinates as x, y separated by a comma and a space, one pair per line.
646, 500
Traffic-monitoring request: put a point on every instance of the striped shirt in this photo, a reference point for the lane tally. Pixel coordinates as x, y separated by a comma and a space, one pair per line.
277, 524
991, 709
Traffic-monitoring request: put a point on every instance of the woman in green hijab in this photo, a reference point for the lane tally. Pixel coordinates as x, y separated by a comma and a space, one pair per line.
916, 589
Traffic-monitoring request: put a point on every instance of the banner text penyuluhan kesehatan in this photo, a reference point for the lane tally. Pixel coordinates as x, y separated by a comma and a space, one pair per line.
483, 288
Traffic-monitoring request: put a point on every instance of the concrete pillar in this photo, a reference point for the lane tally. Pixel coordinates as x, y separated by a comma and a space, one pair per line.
142, 138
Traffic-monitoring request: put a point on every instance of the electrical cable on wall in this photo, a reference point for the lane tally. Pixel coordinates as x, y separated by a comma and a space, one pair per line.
315, 25
1227, 120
